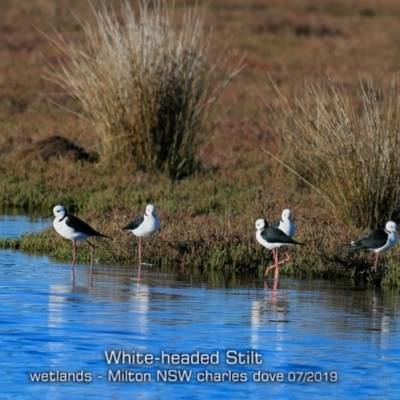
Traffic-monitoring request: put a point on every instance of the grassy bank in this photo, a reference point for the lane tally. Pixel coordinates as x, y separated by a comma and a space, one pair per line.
207, 218
223, 241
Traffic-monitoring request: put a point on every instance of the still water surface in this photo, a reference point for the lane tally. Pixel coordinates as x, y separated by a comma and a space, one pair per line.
254, 343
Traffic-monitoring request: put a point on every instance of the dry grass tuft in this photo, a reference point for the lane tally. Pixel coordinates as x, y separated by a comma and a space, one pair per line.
144, 85
345, 148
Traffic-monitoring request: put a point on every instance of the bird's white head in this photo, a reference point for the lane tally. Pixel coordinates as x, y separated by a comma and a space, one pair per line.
286, 214
150, 210
59, 211
261, 224
391, 226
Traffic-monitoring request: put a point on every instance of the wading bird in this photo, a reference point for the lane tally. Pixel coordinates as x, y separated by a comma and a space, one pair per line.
272, 238
73, 228
378, 241
286, 225
144, 225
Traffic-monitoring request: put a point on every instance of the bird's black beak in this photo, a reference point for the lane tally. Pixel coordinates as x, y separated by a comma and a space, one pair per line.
48, 216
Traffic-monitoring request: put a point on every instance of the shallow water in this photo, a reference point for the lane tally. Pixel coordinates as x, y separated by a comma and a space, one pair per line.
14, 223
308, 339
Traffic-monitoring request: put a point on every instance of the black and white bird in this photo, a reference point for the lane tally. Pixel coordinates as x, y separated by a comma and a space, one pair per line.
272, 238
73, 228
285, 223
378, 241
144, 225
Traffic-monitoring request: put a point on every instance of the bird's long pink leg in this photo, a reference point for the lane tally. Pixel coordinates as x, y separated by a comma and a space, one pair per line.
376, 262
275, 287
267, 269
279, 263
287, 257
285, 260
271, 266
140, 256
74, 255
91, 263
276, 266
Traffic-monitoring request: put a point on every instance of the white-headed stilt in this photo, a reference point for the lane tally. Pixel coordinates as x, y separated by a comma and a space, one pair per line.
378, 240
272, 238
144, 225
286, 225
73, 228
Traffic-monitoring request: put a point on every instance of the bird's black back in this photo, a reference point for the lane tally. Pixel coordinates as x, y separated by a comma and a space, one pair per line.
372, 240
135, 223
81, 226
274, 235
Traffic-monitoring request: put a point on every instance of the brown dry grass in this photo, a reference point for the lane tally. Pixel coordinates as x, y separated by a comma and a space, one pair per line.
292, 41
366, 48
345, 148
146, 86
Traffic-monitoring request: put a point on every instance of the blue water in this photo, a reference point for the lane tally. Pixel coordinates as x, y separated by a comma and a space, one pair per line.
309, 339
12, 225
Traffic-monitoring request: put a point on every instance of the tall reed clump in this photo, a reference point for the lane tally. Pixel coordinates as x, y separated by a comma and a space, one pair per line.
346, 148
145, 86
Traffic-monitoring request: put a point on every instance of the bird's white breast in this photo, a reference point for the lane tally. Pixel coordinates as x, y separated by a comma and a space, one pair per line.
67, 232
392, 240
287, 227
148, 227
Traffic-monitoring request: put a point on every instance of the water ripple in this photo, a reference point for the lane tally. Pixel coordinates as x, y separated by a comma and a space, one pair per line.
307, 330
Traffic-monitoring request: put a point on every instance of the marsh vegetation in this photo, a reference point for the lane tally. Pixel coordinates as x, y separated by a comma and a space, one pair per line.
181, 129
